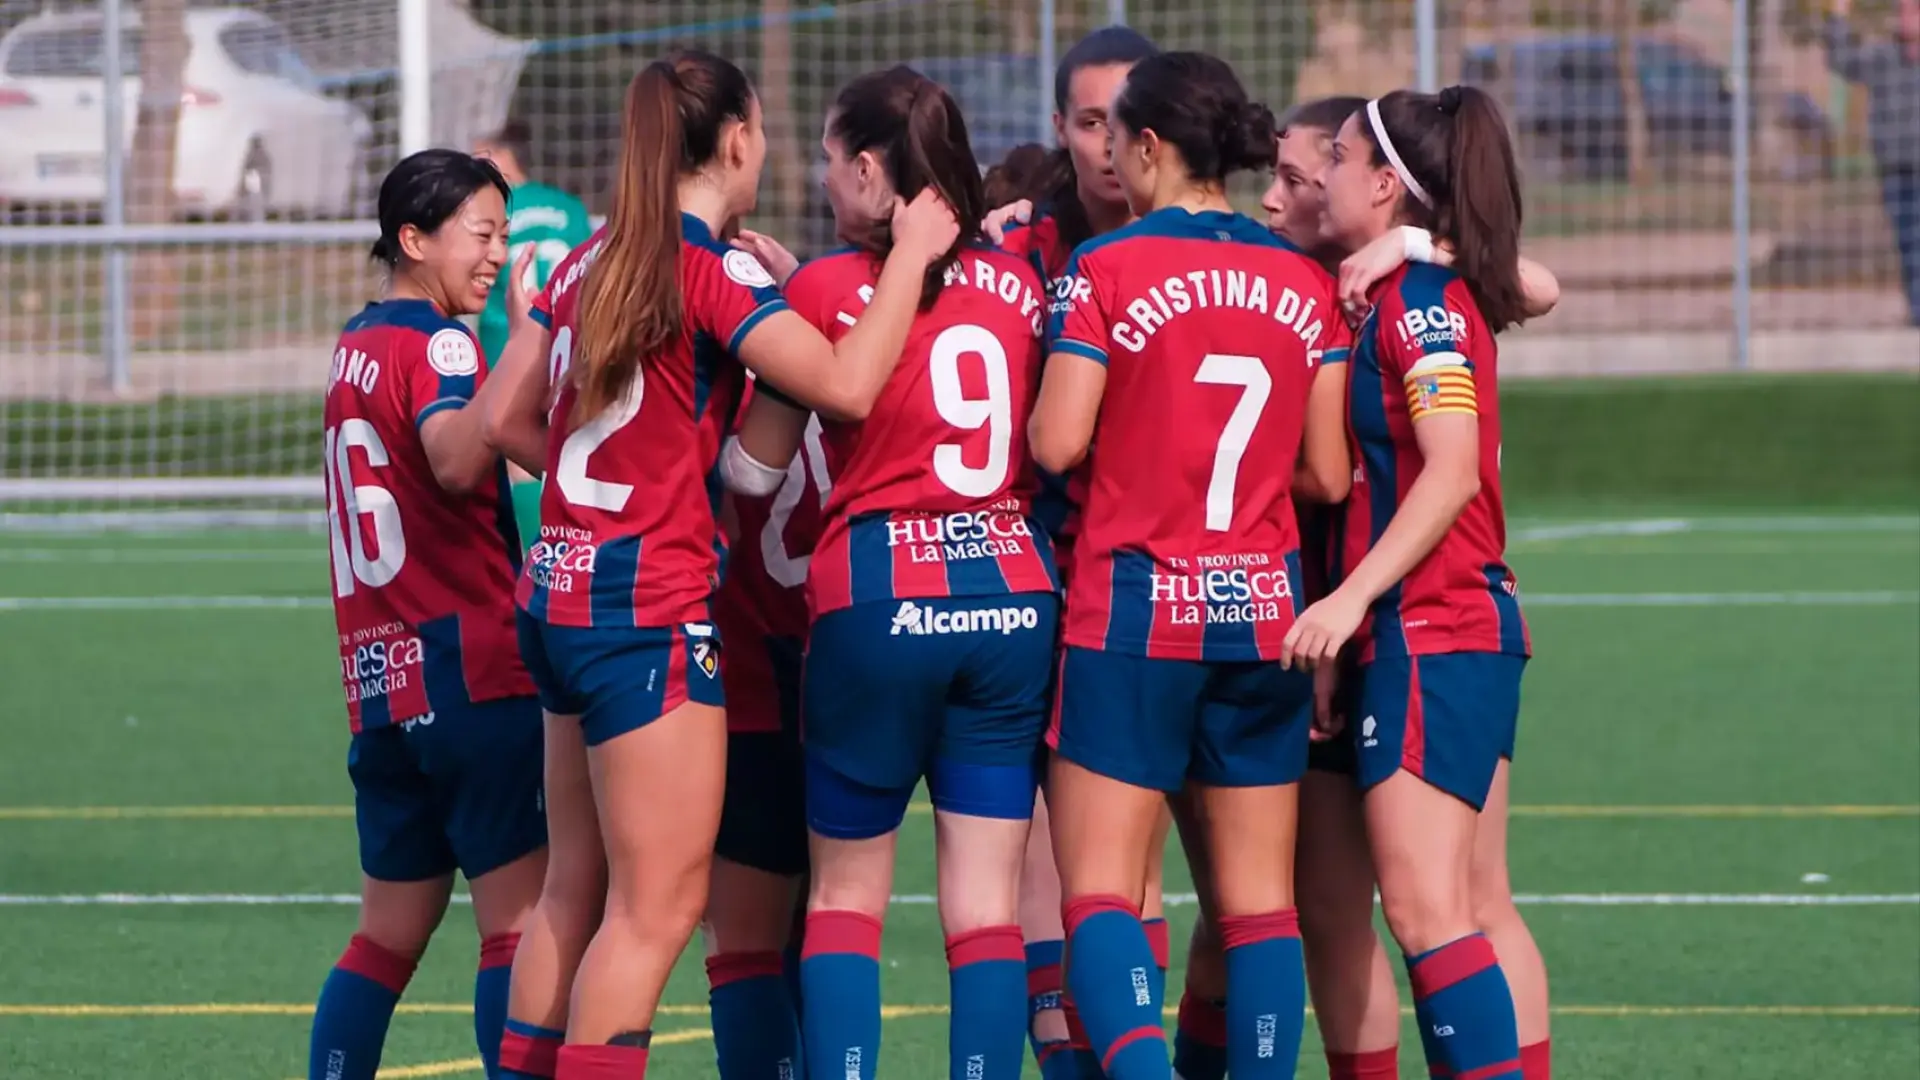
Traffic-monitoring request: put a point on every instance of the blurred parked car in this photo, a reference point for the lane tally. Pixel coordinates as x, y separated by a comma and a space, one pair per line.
257, 136
1000, 95
1563, 95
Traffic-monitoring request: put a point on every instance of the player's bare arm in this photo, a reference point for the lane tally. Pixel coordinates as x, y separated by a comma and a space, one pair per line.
515, 416
842, 381
755, 461
997, 222
455, 440
1061, 428
1449, 479
1325, 470
1362, 270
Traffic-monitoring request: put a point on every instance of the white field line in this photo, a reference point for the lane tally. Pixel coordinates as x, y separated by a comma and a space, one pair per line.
921, 899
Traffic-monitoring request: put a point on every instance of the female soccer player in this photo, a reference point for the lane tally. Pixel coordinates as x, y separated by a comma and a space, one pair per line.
1356, 1003
445, 757
1078, 198
646, 329
932, 592
1184, 344
1427, 598
760, 856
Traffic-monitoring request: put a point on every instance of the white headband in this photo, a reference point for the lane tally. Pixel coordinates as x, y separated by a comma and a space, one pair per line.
1393, 156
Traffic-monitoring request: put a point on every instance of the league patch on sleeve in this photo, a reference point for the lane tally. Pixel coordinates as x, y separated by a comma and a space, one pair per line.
452, 353
746, 270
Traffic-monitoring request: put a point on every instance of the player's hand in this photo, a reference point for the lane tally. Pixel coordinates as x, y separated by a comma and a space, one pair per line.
520, 290
1322, 631
925, 227
998, 221
1327, 723
772, 254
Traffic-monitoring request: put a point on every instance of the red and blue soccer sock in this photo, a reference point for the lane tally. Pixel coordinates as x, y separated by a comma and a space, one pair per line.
1465, 1010
756, 1033
1367, 1065
1111, 977
356, 1006
987, 1027
490, 996
1200, 1040
529, 1051
1058, 1059
840, 982
1266, 993
625, 1058
1536, 1060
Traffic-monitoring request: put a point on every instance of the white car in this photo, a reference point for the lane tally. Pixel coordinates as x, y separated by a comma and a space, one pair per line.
257, 136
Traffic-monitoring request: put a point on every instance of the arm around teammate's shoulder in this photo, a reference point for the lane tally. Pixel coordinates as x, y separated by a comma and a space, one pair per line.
515, 417
842, 381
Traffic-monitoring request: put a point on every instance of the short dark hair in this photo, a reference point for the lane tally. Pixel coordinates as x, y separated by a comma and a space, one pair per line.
426, 189
1015, 175
915, 128
1195, 102
516, 137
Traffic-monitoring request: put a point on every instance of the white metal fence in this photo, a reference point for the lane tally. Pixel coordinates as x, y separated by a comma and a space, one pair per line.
1698, 175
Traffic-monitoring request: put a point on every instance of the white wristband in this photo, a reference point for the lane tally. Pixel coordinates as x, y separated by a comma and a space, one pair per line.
1418, 243
743, 474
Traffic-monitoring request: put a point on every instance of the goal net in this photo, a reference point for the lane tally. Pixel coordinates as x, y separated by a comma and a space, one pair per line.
195, 389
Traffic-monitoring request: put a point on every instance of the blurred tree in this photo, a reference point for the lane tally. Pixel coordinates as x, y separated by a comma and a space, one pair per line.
786, 164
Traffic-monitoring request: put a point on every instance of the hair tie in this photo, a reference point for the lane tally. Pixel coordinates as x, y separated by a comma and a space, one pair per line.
1449, 100
1393, 156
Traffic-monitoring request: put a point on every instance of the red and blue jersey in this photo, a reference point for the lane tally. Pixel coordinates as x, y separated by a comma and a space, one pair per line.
1056, 504
1425, 351
628, 514
932, 492
422, 577
1211, 329
761, 607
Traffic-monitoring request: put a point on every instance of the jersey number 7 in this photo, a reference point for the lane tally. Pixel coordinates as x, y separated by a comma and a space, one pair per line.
1248, 373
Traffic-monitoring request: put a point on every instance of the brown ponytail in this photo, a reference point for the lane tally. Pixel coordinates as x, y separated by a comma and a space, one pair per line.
1455, 144
630, 302
921, 139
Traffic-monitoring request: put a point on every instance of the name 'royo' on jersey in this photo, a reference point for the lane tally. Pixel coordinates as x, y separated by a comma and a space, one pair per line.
1211, 330
932, 492
422, 577
1425, 351
761, 606
628, 515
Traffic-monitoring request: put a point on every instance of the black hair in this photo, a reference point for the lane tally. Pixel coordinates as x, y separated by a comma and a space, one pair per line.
915, 128
1103, 48
1325, 114
1194, 102
426, 189
1057, 186
1456, 146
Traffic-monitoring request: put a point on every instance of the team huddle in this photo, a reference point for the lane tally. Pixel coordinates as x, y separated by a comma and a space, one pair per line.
1099, 513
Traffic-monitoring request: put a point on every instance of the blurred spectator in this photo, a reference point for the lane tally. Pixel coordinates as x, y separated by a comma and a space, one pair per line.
1890, 72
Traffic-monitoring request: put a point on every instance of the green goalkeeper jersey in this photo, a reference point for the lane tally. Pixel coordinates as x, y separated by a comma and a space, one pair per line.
551, 222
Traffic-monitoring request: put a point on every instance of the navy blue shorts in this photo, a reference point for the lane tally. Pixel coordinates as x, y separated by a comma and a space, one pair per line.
618, 679
1447, 719
1159, 723
952, 689
459, 788
763, 820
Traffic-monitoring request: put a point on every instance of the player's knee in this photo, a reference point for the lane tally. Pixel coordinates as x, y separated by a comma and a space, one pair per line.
1421, 920
1494, 911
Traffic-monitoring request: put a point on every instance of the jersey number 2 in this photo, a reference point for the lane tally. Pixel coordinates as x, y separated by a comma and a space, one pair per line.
993, 412
348, 502
570, 473
1248, 373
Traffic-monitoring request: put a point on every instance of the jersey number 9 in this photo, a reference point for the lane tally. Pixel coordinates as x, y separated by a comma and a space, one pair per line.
348, 501
993, 412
